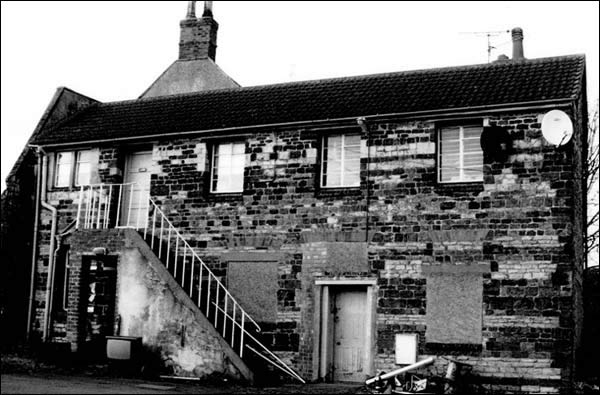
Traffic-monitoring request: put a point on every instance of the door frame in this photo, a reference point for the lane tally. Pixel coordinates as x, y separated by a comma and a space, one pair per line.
140, 149
323, 325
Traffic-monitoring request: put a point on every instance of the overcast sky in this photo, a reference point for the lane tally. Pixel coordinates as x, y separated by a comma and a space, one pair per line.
115, 50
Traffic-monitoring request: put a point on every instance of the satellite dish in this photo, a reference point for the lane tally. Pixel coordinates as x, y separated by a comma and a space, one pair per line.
557, 127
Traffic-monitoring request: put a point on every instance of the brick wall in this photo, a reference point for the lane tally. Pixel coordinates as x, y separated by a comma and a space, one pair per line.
518, 221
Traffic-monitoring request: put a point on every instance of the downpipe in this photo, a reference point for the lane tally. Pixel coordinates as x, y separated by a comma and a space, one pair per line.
51, 266
362, 122
34, 245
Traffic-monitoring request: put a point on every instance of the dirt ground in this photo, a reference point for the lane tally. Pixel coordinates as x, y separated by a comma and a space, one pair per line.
14, 383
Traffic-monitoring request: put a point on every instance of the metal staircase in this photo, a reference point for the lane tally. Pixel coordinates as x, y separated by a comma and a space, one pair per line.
97, 207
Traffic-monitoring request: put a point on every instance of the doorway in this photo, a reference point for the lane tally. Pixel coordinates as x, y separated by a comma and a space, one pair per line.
346, 331
98, 291
349, 335
136, 191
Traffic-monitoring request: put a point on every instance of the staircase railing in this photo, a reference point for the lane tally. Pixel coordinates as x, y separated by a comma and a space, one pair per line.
218, 305
103, 206
168, 234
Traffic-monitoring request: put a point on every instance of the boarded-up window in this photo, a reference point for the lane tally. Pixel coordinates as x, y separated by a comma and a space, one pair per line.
254, 285
454, 307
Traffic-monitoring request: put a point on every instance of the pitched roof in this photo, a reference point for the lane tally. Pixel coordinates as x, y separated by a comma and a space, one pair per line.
184, 76
449, 88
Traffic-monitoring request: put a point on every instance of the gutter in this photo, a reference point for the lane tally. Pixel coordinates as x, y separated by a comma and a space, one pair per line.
348, 121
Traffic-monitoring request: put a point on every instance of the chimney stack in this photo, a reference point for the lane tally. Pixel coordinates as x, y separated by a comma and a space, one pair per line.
198, 38
517, 39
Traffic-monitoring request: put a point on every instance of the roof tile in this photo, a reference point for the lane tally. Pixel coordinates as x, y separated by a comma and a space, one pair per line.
403, 92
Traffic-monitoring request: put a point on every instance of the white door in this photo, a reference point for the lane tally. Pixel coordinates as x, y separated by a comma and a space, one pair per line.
349, 317
136, 191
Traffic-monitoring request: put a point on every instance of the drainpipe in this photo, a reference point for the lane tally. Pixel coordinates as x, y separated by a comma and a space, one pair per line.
34, 245
50, 279
362, 122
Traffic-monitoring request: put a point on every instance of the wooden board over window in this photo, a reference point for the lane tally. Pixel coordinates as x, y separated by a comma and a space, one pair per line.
254, 285
454, 307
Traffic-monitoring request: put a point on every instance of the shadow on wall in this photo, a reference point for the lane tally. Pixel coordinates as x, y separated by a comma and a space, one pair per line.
588, 363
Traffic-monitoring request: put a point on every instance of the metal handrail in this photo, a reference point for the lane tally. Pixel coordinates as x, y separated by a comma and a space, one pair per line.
277, 361
95, 210
203, 266
97, 202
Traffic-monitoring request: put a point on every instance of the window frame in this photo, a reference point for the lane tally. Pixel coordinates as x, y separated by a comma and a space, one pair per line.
73, 168
214, 169
323, 159
57, 164
461, 168
76, 167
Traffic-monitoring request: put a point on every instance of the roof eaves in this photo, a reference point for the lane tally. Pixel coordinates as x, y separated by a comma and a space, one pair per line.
471, 111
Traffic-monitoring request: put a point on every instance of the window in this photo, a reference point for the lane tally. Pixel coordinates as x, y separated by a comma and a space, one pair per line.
82, 168
460, 158
73, 168
341, 161
228, 168
64, 162
61, 280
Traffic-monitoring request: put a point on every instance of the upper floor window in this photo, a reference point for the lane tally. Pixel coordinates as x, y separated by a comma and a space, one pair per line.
460, 158
72, 168
341, 161
64, 163
228, 167
83, 168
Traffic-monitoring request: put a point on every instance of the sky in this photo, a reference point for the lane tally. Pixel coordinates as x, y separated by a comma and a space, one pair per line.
114, 50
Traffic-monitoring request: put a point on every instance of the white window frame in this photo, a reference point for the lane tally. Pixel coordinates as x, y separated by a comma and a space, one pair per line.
73, 168
461, 166
56, 169
78, 163
214, 182
324, 144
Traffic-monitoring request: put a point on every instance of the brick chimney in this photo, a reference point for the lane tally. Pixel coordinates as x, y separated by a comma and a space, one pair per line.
198, 38
517, 39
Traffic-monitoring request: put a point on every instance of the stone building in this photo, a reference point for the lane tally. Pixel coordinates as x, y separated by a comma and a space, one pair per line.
348, 225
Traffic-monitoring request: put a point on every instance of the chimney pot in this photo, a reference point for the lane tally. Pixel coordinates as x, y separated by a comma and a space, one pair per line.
208, 5
191, 12
517, 39
502, 58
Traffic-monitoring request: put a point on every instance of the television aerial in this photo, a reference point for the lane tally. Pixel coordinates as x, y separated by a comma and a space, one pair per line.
557, 127
489, 35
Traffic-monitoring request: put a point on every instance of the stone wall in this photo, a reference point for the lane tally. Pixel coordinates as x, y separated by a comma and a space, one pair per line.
518, 222
155, 309
149, 304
